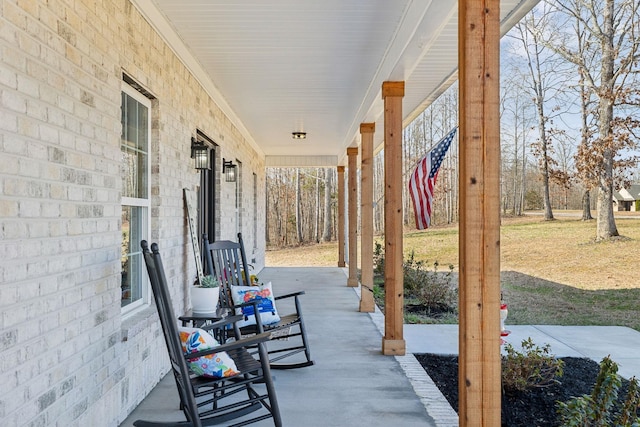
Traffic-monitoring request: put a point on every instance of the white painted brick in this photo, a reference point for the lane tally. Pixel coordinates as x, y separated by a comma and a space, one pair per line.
13, 399
29, 209
36, 110
14, 101
75, 89
8, 297
14, 315
9, 122
8, 208
30, 85
38, 230
49, 134
8, 77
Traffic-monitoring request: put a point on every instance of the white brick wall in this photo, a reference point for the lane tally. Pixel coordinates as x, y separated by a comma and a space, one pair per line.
67, 355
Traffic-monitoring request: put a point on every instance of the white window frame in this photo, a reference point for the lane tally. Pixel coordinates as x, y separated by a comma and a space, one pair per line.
144, 203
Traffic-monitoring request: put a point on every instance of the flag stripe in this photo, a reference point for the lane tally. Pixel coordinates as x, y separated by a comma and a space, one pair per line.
423, 180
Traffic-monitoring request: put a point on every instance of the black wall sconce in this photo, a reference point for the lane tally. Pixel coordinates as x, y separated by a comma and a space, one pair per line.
229, 171
200, 153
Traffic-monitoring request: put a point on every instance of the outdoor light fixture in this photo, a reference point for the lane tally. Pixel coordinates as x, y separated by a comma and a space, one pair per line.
229, 171
299, 135
200, 152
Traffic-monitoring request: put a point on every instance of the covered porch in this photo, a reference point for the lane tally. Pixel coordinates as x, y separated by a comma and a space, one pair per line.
266, 84
350, 383
329, 86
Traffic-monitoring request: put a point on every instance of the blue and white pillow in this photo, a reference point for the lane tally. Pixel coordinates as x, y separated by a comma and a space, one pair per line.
266, 305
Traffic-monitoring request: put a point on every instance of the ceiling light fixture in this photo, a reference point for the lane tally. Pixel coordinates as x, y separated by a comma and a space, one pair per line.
299, 135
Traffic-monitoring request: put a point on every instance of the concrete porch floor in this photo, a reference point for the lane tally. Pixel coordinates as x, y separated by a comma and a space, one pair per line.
353, 384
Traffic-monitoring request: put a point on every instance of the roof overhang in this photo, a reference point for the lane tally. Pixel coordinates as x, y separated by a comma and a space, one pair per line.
314, 66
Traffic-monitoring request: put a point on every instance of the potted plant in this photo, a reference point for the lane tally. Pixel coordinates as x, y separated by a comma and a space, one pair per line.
205, 295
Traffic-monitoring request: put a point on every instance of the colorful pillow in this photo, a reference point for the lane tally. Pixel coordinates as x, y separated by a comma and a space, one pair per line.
266, 306
215, 365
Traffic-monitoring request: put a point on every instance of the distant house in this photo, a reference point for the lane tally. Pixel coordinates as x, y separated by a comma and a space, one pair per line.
627, 199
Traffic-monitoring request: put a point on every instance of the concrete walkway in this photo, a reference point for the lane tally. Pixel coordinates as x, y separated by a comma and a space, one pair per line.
593, 342
352, 384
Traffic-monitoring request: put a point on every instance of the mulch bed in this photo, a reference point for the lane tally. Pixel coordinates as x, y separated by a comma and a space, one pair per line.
531, 408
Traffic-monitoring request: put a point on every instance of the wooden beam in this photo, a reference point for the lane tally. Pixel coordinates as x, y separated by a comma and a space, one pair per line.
393, 342
367, 303
479, 246
341, 262
352, 155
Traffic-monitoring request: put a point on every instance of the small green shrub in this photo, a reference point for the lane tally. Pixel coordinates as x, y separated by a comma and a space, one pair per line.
430, 287
378, 259
378, 293
598, 409
530, 368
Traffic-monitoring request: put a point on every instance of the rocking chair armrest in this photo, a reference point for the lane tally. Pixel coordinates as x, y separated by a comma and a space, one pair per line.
220, 324
253, 302
293, 294
232, 345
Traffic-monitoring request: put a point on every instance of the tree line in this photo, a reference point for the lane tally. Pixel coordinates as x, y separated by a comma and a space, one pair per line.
569, 128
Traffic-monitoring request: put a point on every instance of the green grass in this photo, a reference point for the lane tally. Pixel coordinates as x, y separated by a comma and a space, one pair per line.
552, 271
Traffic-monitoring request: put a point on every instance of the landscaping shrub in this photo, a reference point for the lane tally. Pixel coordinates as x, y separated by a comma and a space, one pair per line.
529, 368
378, 259
430, 287
599, 409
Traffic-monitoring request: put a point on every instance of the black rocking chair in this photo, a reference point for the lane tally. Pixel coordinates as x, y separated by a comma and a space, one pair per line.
207, 401
228, 261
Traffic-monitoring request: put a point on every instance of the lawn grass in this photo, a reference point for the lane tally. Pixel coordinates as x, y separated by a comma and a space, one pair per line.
552, 271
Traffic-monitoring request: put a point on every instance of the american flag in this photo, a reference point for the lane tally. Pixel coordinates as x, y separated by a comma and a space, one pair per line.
423, 179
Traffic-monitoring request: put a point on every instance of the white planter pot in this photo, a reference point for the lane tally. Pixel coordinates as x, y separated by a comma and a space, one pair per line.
204, 300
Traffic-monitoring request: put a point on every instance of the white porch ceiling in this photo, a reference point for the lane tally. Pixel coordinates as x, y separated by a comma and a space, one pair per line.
316, 66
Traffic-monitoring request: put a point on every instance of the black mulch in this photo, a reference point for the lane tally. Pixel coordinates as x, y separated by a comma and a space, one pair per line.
531, 408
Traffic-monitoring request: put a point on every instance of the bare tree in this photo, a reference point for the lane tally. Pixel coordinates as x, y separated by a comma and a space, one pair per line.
546, 83
516, 122
378, 192
585, 173
298, 203
328, 190
610, 35
316, 211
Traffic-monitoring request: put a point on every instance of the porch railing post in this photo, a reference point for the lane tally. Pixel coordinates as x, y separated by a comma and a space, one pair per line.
366, 217
393, 342
341, 261
479, 247
352, 155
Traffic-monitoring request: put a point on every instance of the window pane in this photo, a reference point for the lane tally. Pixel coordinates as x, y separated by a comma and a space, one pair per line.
134, 146
133, 226
134, 168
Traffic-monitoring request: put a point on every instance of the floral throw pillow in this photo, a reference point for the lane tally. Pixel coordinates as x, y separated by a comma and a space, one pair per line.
266, 305
215, 365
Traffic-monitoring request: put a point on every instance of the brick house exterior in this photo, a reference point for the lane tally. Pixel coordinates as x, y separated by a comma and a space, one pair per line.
69, 356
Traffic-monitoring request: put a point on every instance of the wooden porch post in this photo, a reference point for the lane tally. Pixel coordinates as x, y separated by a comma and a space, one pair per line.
341, 262
393, 341
366, 217
479, 246
352, 155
